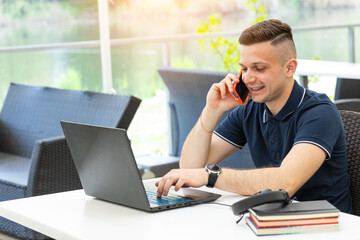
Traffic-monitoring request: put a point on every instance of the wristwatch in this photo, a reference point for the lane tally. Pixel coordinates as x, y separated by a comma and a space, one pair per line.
214, 170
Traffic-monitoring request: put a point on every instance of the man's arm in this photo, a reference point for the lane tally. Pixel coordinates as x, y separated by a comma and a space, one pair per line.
205, 145
298, 166
201, 142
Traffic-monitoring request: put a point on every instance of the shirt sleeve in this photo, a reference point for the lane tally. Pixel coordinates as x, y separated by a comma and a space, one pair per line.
231, 128
321, 126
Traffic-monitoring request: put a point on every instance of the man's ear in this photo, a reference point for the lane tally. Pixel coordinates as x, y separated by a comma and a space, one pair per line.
290, 67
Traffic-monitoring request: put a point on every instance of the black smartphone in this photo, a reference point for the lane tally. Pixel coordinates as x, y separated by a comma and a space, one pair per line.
241, 92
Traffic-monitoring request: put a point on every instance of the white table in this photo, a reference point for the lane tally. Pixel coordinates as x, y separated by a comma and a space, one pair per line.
74, 215
326, 68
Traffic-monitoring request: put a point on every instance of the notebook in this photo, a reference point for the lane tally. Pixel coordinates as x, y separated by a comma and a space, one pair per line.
295, 210
108, 171
289, 229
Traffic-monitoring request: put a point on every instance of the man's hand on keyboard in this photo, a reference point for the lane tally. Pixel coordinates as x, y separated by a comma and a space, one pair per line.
181, 178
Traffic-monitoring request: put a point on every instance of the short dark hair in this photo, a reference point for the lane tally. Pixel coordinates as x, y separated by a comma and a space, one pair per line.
270, 30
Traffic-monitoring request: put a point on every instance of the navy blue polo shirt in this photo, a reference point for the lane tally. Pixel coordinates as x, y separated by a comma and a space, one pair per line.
307, 117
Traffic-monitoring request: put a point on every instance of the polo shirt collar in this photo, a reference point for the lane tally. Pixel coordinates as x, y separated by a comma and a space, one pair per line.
294, 101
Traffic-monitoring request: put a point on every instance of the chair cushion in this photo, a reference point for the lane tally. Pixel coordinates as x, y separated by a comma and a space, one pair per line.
14, 173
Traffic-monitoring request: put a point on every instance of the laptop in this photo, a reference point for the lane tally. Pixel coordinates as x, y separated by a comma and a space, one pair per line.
108, 171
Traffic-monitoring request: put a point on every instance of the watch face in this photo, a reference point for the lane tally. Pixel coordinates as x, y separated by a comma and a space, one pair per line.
214, 167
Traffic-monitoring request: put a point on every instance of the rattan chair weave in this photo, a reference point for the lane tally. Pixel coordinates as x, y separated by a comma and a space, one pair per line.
351, 122
351, 104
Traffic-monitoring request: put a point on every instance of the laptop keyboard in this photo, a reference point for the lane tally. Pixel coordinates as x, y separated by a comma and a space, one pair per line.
169, 199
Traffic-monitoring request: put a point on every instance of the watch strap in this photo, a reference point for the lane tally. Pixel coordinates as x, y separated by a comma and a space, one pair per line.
212, 179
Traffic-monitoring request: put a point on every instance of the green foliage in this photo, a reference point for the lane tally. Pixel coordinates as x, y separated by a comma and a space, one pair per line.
184, 62
227, 50
72, 9
16, 9
260, 10
25, 9
135, 85
71, 80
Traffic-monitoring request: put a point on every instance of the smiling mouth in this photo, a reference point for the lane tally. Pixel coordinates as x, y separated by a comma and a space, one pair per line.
256, 89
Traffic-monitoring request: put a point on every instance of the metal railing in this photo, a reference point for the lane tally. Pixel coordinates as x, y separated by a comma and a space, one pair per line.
164, 40
177, 37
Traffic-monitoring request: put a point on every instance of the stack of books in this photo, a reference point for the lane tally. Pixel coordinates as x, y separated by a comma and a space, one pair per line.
295, 217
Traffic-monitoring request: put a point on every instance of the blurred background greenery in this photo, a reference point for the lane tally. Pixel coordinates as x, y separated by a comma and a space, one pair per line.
28, 22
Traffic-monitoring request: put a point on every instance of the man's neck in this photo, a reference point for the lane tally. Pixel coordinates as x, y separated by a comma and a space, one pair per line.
275, 106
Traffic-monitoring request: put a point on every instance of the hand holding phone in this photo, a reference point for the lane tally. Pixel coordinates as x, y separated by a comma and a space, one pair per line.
241, 92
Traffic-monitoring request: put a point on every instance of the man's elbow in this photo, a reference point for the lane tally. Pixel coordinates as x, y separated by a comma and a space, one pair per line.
291, 186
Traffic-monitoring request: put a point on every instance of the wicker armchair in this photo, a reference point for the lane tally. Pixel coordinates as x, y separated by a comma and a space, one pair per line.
34, 156
350, 104
351, 122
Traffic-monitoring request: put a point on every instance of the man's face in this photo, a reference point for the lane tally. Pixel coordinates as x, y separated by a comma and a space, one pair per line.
264, 73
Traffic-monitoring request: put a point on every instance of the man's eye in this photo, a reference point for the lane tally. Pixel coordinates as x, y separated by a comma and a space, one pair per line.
260, 69
244, 69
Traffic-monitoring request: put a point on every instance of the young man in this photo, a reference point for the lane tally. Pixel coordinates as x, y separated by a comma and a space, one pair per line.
296, 136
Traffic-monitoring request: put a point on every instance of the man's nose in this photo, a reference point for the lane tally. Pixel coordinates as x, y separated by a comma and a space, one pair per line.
248, 77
